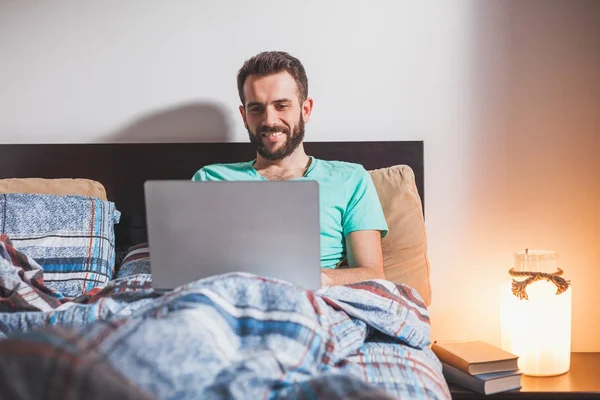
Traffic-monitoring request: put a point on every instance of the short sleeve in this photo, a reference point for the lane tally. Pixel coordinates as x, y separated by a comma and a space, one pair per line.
364, 211
200, 175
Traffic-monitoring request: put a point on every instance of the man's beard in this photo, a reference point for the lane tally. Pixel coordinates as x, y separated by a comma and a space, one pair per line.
291, 143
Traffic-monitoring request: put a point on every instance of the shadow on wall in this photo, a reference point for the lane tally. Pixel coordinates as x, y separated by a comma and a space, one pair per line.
186, 123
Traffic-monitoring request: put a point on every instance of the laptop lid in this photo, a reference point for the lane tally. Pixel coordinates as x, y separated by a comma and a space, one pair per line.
201, 229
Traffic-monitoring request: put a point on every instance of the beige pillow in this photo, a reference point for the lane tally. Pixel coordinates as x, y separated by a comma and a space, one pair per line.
57, 187
405, 247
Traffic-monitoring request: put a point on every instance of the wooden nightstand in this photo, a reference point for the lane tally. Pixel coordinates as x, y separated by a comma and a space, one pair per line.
581, 382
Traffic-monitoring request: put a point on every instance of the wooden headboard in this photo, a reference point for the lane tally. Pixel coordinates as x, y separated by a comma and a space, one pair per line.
123, 167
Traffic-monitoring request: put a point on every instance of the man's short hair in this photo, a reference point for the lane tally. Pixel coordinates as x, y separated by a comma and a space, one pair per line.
273, 62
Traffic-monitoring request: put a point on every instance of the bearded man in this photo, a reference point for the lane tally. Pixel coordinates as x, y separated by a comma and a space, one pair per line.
275, 107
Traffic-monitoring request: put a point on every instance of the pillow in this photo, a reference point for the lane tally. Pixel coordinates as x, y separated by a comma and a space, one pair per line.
57, 187
71, 237
405, 247
136, 260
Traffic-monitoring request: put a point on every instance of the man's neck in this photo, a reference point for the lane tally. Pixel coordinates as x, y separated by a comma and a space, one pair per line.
298, 159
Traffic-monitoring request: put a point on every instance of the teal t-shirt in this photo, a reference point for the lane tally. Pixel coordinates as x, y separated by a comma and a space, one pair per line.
348, 200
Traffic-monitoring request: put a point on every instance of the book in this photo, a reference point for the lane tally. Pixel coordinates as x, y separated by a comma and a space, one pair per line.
491, 383
475, 357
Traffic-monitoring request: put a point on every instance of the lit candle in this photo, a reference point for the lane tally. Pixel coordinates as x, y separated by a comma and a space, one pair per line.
537, 329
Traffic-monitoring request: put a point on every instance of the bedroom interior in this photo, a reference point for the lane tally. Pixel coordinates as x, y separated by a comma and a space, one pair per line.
497, 117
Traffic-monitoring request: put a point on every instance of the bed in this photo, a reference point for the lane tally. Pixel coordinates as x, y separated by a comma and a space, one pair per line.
79, 318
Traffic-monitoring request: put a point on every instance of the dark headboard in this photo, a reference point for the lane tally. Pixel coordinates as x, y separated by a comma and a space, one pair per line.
122, 168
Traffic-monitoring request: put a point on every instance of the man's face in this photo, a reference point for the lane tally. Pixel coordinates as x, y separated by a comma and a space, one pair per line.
273, 115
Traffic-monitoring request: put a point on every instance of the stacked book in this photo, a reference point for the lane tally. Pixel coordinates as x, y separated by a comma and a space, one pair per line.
478, 366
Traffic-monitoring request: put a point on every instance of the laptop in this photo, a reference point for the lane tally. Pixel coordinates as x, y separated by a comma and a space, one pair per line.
201, 229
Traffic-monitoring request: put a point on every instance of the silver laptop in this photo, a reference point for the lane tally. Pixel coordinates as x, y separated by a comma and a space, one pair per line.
201, 229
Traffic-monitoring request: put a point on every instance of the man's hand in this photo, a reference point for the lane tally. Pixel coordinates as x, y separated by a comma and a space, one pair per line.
325, 279
365, 260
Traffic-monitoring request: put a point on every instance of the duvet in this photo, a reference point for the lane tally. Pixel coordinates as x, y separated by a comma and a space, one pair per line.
232, 336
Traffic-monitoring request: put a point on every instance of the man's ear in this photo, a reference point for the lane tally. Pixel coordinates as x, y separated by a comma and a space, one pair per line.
243, 113
307, 106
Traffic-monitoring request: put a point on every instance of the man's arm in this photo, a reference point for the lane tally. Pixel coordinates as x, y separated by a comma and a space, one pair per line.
365, 259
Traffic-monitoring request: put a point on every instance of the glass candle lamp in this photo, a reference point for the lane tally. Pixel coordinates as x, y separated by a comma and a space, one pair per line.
536, 317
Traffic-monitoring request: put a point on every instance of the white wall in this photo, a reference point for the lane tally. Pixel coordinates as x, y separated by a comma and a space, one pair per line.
505, 95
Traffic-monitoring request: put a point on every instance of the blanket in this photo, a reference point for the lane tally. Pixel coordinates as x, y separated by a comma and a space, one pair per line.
236, 336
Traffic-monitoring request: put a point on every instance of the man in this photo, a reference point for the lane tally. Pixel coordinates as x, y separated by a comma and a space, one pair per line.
275, 107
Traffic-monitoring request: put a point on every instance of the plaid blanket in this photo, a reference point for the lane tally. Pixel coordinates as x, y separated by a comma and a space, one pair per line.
233, 336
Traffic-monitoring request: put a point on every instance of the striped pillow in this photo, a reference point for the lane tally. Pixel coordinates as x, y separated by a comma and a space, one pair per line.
136, 261
71, 237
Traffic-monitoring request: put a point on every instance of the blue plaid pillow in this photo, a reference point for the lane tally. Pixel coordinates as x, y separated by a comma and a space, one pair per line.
71, 237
